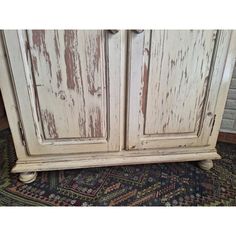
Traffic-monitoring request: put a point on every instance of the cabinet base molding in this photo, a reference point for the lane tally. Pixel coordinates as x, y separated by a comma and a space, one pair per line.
28, 177
206, 164
105, 159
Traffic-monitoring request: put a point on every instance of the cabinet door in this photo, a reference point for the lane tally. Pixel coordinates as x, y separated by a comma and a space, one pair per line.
174, 78
67, 85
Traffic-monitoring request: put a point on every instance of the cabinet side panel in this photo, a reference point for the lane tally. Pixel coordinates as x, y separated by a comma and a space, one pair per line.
226, 75
10, 103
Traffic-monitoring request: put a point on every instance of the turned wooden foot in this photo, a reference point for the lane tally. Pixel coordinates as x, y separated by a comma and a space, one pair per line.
28, 177
206, 164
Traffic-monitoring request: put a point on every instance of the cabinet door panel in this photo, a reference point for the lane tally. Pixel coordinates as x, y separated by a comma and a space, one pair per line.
69, 71
178, 74
175, 77
64, 82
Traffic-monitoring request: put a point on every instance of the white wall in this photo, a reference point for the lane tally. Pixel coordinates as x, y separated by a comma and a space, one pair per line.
229, 118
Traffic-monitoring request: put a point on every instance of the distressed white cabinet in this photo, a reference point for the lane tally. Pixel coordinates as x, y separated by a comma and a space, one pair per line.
84, 98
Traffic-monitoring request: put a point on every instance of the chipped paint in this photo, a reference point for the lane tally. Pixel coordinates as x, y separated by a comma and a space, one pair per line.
59, 78
145, 87
50, 124
71, 66
57, 43
98, 124
93, 65
176, 84
35, 64
69, 38
95, 124
38, 37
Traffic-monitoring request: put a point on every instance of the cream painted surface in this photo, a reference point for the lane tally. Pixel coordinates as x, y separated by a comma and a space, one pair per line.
63, 81
224, 88
175, 77
99, 160
123, 112
10, 102
69, 72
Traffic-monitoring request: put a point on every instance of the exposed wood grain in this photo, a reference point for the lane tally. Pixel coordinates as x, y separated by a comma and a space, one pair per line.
179, 71
176, 77
70, 78
66, 78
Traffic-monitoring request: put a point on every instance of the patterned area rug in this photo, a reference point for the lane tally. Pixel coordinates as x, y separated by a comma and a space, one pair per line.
175, 184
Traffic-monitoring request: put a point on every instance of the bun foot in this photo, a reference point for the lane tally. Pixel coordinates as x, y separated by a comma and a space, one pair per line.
28, 177
206, 164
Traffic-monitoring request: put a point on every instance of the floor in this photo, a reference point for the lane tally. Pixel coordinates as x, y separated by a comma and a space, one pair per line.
173, 184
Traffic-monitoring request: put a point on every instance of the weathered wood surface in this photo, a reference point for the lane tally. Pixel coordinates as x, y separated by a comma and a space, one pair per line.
225, 77
70, 81
64, 79
19, 97
114, 159
176, 76
11, 107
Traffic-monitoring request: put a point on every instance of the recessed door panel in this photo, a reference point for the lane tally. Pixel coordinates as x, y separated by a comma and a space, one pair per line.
179, 69
69, 70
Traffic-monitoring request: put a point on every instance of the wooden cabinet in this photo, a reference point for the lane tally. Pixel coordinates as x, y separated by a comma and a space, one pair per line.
84, 98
